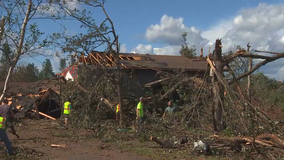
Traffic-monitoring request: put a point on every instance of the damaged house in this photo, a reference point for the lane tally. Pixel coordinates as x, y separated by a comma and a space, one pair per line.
143, 69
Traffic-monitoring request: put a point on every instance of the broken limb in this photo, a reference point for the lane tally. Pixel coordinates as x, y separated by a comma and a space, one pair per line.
165, 144
58, 145
45, 115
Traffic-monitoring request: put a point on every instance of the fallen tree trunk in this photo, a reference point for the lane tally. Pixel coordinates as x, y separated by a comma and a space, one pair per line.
267, 140
164, 144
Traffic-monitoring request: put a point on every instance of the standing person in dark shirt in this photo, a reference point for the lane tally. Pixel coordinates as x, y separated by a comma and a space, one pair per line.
7, 112
4, 113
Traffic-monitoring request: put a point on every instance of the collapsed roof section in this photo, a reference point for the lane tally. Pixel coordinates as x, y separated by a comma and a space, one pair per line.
144, 61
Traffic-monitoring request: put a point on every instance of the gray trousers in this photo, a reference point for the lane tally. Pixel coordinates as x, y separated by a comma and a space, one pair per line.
140, 120
5, 139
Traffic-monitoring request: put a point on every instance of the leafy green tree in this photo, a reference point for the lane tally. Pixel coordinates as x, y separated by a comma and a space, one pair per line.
32, 73
47, 70
16, 27
62, 63
5, 60
26, 73
185, 50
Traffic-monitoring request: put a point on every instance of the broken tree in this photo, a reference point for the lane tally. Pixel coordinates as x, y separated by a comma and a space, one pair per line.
218, 82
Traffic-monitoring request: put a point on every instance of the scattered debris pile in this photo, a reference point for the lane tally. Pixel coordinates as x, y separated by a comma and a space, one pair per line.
47, 102
235, 143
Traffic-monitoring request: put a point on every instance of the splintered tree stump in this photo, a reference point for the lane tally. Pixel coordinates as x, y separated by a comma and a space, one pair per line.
164, 144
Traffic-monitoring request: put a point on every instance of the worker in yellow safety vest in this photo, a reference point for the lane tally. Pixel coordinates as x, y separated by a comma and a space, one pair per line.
140, 111
3, 135
117, 112
67, 110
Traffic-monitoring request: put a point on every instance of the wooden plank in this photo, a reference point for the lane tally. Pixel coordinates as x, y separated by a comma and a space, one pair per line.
96, 59
85, 60
110, 60
44, 115
58, 145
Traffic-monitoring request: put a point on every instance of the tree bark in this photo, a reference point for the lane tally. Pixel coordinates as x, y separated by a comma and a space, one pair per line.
2, 24
249, 76
218, 89
19, 51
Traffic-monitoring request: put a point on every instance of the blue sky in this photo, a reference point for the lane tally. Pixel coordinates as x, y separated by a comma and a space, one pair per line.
155, 26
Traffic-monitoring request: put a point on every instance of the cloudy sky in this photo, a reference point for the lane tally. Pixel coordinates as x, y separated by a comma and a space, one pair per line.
155, 26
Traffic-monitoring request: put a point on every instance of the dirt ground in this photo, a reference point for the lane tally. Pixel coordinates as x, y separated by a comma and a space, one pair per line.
36, 138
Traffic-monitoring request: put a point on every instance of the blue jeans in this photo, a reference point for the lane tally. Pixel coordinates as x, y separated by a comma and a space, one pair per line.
5, 139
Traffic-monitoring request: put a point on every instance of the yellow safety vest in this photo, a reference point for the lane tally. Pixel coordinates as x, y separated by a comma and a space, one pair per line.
2, 122
117, 108
66, 108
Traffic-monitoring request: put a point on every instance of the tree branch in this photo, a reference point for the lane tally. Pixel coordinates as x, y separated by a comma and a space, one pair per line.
256, 67
268, 52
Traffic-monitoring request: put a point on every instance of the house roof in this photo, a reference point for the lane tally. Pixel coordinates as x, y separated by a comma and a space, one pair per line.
167, 62
131, 60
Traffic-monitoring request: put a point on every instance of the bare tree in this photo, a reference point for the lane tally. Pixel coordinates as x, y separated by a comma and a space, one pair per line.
12, 12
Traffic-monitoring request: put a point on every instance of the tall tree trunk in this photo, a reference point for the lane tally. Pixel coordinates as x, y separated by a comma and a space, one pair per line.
2, 27
119, 79
19, 51
218, 89
249, 76
119, 84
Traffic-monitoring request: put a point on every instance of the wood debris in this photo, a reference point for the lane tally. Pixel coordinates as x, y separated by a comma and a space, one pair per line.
44, 115
58, 145
266, 140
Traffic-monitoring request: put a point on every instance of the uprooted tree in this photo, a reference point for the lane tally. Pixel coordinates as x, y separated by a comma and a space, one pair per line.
219, 83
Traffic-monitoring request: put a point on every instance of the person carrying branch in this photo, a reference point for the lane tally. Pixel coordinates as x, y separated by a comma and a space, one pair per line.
140, 111
5, 111
67, 110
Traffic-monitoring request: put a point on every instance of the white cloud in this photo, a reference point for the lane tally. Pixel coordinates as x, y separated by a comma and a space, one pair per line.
53, 8
217, 31
143, 49
278, 74
262, 26
123, 48
169, 31
167, 50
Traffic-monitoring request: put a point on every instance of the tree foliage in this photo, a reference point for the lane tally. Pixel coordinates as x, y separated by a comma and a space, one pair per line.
185, 49
16, 28
62, 64
47, 70
26, 73
5, 60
